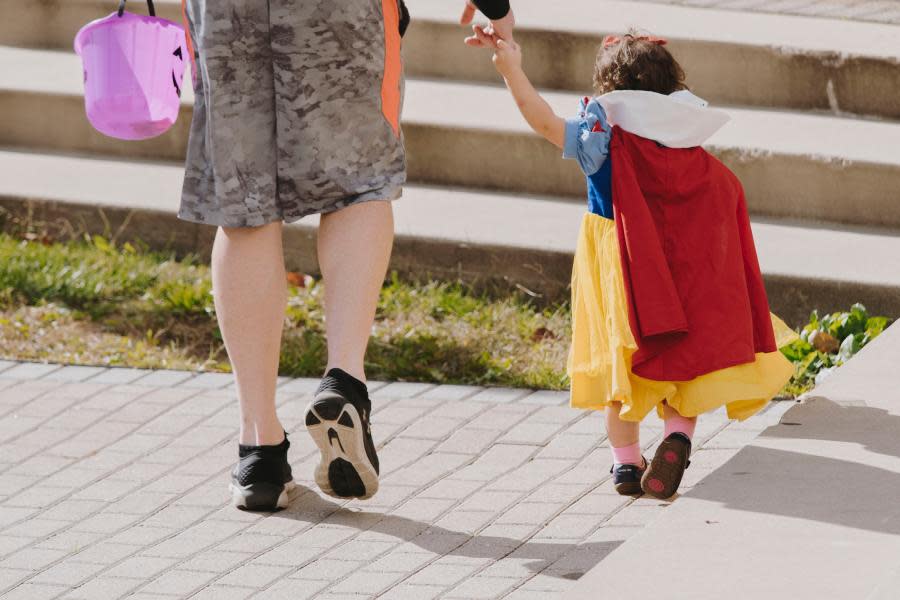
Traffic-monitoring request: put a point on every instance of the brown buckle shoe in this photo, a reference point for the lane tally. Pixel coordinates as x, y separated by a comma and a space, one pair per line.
663, 476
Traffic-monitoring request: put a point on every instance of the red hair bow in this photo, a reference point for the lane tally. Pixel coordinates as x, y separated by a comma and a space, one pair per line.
612, 40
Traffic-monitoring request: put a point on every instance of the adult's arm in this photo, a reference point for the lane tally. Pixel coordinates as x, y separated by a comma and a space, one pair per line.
502, 22
493, 9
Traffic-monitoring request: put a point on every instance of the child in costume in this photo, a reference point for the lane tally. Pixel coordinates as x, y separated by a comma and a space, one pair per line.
669, 311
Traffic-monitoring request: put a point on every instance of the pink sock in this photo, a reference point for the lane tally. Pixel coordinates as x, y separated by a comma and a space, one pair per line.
627, 455
677, 423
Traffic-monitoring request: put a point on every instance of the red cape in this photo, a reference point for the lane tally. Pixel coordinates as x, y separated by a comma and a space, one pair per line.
696, 298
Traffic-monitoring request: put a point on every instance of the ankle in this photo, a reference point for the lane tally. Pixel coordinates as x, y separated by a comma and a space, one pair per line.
268, 433
676, 423
356, 371
627, 455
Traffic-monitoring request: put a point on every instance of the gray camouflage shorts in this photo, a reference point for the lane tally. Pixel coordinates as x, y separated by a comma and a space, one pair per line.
297, 109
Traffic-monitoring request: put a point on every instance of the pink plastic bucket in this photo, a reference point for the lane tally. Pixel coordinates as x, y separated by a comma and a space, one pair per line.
133, 72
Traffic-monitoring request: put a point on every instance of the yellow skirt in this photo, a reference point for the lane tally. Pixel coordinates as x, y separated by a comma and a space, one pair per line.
602, 347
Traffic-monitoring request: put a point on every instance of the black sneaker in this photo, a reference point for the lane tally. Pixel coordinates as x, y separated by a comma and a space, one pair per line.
338, 421
627, 478
663, 476
262, 478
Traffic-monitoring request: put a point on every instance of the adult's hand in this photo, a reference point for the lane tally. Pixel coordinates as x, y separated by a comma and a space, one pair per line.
486, 37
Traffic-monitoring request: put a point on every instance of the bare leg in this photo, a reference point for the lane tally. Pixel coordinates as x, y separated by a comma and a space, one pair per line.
250, 296
675, 422
624, 441
621, 433
354, 250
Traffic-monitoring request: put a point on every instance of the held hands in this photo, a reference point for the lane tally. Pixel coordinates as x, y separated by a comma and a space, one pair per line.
508, 61
507, 57
487, 36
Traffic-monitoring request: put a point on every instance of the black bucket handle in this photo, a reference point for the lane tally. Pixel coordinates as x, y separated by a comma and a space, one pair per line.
149, 6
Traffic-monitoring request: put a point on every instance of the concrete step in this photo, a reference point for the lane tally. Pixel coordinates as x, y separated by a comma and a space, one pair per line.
759, 59
793, 165
483, 238
808, 508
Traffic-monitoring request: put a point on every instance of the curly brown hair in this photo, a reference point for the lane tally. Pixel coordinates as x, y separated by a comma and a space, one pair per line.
637, 63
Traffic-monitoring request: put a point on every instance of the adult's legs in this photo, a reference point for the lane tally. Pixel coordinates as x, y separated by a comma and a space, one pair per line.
250, 294
354, 250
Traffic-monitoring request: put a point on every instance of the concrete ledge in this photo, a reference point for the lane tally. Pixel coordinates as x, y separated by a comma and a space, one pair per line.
807, 511
744, 72
792, 165
760, 59
449, 234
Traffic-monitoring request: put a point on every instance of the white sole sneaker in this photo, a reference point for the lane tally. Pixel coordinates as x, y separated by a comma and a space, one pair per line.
336, 427
261, 496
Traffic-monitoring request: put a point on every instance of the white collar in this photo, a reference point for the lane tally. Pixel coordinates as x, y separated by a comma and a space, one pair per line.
679, 120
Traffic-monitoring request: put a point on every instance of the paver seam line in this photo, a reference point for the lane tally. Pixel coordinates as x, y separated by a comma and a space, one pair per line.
717, 431
200, 391
174, 437
100, 510
26, 575
74, 433
95, 513
82, 401
108, 368
12, 363
601, 523
286, 540
355, 536
149, 372
7, 383
442, 514
140, 549
609, 516
538, 528
487, 407
149, 390
418, 394
522, 495
421, 488
36, 362
13, 409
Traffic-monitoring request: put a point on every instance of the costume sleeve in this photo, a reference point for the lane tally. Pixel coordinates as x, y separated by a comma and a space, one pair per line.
587, 137
493, 9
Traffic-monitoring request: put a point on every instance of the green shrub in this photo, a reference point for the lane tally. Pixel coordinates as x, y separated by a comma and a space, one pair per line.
191, 294
828, 342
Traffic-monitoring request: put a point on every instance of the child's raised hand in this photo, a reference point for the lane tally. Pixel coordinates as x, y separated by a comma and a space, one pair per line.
507, 57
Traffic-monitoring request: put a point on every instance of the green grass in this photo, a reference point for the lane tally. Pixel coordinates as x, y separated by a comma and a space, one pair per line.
94, 303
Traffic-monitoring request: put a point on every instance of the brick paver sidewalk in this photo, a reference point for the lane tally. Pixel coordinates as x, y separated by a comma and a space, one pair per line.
878, 11
114, 484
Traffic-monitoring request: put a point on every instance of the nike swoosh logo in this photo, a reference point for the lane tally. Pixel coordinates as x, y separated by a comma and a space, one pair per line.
332, 436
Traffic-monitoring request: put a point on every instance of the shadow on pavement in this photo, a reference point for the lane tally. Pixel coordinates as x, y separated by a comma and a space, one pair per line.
820, 419
853, 481
580, 558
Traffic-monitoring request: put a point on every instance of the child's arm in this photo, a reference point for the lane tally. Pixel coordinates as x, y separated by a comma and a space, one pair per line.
541, 118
